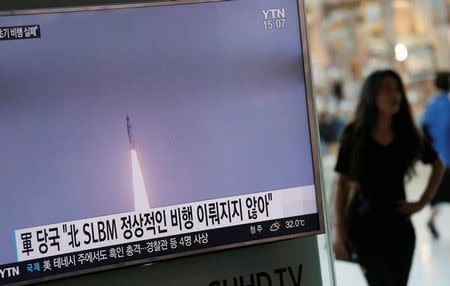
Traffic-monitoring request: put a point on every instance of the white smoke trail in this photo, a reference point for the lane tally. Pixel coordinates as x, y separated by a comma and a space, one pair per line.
141, 202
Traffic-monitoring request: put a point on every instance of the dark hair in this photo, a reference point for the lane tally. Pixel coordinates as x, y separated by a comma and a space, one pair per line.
442, 80
337, 89
406, 133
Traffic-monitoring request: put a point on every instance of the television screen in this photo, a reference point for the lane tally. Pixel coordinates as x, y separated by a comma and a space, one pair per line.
137, 133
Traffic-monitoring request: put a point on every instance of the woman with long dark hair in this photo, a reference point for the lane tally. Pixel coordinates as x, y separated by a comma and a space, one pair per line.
377, 153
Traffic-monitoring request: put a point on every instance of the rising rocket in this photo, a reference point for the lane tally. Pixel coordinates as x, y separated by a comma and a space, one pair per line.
130, 134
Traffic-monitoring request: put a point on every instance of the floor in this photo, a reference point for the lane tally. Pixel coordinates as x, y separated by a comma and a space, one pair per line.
431, 258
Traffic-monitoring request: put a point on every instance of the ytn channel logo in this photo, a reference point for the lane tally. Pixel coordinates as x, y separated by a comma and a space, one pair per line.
9, 272
274, 18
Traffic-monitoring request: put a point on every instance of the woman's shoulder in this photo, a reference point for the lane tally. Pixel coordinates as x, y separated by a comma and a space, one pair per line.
347, 136
349, 131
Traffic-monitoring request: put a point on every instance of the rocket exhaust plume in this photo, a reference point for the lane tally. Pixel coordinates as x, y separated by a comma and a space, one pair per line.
141, 202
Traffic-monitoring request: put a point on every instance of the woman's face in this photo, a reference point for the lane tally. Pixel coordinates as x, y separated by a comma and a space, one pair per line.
389, 97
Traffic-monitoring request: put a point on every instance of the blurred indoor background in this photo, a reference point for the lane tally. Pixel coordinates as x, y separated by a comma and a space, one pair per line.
351, 38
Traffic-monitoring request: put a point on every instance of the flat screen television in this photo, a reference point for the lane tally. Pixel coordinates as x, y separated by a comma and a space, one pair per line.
141, 132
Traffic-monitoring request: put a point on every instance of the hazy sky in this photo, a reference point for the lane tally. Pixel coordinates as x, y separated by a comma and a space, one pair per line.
217, 105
